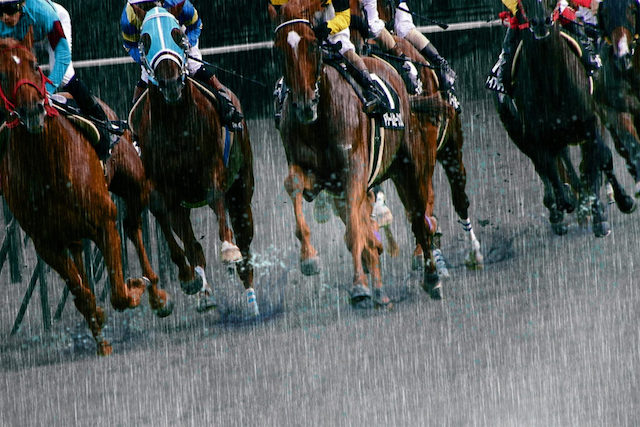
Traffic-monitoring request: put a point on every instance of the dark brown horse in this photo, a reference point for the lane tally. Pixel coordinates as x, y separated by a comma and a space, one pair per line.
326, 138
190, 162
618, 85
551, 108
54, 184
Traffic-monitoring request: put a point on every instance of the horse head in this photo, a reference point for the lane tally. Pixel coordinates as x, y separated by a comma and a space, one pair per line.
163, 49
538, 17
618, 20
22, 85
295, 38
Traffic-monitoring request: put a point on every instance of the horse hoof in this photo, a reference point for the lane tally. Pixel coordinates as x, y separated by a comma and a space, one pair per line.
166, 310
206, 302
626, 204
474, 261
360, 297
559, 228
381, 300
310, 266
104, 348
432, 285
601, 229
192, 287
230, 253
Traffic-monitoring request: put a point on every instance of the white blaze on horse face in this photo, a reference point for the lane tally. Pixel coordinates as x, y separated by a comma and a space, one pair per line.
623, 46
293, 39
15, 59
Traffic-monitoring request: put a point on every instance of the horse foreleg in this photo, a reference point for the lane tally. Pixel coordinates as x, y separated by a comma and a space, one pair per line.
295, 183
122, 296
241, 217
627, 143
594, 155
159, 300
185, 272
181, 223
84, 300
229, 252
625, 203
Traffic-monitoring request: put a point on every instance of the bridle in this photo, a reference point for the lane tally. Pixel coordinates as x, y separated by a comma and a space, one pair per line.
316, 89
10, 103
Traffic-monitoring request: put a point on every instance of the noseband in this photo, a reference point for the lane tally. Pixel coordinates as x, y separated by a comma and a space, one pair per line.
10, 104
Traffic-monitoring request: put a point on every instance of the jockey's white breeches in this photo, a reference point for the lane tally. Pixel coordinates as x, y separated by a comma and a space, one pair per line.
192, 65
343, 37
376, 25
403, 22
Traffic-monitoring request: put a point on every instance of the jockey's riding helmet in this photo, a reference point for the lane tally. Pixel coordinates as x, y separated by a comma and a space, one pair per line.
11, 7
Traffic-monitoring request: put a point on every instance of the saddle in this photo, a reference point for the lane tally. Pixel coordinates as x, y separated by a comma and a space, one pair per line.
390, 119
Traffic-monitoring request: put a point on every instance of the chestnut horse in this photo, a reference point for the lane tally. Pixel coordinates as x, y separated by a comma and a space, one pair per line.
450, 136
617, 88
54, 184
189, 161
326, 139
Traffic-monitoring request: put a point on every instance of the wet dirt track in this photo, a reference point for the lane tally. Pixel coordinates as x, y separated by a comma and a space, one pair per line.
545, 335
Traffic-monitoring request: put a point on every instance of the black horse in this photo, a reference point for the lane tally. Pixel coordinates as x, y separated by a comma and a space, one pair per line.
552, 108
618, 85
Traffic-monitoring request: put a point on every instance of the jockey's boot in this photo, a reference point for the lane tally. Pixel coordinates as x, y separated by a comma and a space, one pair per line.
90, 107
373, 100
445, 74
229, 115
590, 58
500, 77
408, 72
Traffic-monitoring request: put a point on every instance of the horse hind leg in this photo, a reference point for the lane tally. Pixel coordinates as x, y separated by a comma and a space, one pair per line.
450, 157
627, 144
85, 301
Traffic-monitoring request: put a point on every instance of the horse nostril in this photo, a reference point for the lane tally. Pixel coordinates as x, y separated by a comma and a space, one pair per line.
40, 108
547, 21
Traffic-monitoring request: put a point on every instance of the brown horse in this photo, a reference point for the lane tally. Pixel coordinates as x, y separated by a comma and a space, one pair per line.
617, 88
326, 138
190, 162
450, 140
54, 185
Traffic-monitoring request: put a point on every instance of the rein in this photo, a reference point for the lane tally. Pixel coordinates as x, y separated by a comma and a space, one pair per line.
10, 106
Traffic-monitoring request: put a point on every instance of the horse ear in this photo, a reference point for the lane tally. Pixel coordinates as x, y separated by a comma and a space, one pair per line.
177, 9
28, 38
273, 15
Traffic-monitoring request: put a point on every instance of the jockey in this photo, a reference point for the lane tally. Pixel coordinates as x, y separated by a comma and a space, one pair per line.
385, 41
130, 24
406, 29
333, 27
52, 31
566, 13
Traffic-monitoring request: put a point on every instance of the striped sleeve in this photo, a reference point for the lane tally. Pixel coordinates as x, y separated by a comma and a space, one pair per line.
342, 18
190, 19
512, 5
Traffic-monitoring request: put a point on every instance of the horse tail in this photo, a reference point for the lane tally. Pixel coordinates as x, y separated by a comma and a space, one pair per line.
431, 105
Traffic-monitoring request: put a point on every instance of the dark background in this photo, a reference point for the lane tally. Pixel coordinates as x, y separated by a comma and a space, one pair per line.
96, 34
